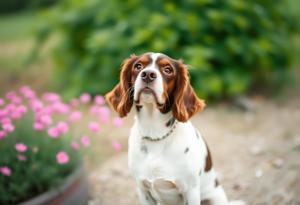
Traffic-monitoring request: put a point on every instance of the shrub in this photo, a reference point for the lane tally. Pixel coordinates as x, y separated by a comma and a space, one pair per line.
16, 5
9, 6
231, 46
41, 141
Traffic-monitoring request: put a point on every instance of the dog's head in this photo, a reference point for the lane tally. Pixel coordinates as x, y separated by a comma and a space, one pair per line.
158, 79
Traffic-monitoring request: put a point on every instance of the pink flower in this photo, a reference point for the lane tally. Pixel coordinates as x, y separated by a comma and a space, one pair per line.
104, 114
85, 141
60, 107
38, 126
75, 116
6, 171
10, 108
118, 122
62, 157
8, 127
22, 157
20, 147
99, 100
36, 105
6, 120
2, 134
22, 109
24, 88
46, 119
16, 115
11, 94
94, 127
27, 92
51, 97
85, 98
48, 110
53, 132
3, 113
1, 102
116, 146
16, 100
75, 145
63, 127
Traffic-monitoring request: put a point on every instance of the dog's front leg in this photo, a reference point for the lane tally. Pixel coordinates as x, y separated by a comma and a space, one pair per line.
193, 196
145, 197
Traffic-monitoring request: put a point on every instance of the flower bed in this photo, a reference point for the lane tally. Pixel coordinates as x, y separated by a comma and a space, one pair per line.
42, 140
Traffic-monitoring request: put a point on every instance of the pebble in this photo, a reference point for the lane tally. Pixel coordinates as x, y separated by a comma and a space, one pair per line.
258, 173
277, 163
256, 150
240, 186
245, 104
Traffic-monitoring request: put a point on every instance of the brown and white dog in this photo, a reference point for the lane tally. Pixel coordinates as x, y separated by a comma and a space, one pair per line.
168, 157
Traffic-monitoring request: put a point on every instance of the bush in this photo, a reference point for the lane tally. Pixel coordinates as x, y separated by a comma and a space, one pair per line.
8, 6
231, 46
39, 142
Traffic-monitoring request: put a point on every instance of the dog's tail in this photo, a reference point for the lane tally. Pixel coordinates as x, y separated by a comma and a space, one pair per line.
237, 202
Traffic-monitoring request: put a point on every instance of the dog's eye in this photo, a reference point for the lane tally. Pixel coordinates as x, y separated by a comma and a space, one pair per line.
168, 70
138, 66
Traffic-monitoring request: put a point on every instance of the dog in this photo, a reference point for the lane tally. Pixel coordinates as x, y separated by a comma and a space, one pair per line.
167, 155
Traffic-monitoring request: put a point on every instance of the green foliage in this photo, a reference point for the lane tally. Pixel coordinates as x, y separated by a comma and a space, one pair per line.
40, 172
8, 6
231, 46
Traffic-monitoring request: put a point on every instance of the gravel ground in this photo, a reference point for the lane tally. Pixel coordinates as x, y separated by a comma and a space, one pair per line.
256, 154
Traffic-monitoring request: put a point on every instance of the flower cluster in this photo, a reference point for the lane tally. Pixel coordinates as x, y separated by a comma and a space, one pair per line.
56, 119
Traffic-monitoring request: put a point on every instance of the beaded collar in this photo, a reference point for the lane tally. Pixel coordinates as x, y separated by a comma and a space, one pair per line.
162, 137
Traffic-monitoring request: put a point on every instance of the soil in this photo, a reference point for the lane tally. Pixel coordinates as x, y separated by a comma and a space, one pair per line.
255, 152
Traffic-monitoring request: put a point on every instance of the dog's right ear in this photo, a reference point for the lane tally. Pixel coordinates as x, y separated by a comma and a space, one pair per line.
121, 97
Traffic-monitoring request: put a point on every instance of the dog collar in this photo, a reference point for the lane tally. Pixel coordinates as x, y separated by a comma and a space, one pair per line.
162, 137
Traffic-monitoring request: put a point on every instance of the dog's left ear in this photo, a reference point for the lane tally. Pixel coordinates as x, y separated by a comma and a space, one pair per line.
120, 98
186, 102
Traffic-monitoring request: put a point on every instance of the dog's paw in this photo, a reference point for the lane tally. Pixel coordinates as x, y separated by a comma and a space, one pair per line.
237, 202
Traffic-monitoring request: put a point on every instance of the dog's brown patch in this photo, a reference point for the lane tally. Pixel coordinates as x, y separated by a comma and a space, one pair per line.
208, 161
206, 202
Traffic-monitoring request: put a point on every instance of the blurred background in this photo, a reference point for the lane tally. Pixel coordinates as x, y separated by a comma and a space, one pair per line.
243, 58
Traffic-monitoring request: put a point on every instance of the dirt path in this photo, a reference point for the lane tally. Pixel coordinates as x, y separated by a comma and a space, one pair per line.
256, 154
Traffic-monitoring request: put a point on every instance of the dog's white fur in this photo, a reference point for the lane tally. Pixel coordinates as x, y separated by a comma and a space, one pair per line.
170, 171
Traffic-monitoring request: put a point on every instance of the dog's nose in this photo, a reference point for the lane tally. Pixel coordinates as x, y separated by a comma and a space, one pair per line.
148, 76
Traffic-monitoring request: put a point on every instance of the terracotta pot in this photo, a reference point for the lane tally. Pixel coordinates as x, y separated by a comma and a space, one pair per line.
74, 191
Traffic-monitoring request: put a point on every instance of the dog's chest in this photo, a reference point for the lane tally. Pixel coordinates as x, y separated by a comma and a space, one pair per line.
156, 161
173, 158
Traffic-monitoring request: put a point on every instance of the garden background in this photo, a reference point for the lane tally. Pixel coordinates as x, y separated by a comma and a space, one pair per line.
243, 58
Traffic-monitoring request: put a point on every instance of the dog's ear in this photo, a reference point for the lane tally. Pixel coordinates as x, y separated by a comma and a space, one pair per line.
186, 102
121, 97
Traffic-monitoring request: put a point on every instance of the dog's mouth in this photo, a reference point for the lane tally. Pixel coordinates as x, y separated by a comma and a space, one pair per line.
148, 91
